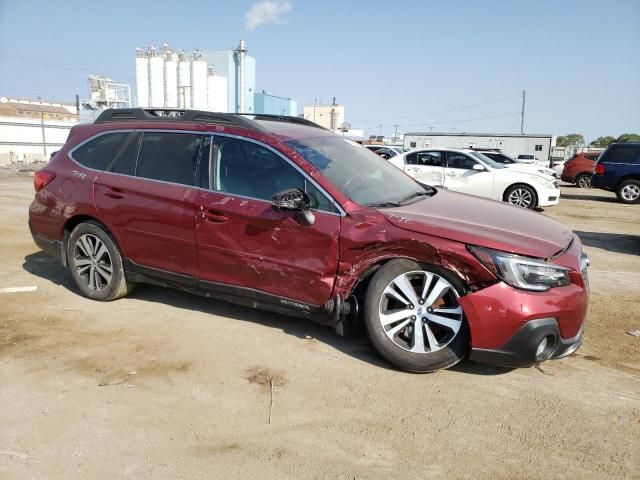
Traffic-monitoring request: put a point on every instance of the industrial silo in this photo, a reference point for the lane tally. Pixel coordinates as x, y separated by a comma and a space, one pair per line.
142, 78
217, 93
156, 79
170, 77
184, 81
198, 82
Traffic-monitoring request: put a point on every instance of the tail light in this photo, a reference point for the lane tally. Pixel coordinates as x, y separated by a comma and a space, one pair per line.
42, 178
599, 169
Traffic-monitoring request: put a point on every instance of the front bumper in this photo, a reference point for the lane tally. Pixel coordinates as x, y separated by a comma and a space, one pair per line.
565, 177
548, 197
520, 350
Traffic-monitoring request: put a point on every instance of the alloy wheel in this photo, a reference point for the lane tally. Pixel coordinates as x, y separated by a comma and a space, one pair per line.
584, 181
419, 312
93, 262
630, 192
520, 197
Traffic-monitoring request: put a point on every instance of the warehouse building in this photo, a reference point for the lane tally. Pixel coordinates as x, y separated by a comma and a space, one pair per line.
328, 116
273, 105
31, 130
539, 145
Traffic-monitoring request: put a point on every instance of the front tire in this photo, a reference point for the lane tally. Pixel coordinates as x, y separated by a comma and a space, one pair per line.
629, 191
95, 263
521, 196
583, 180
413, 317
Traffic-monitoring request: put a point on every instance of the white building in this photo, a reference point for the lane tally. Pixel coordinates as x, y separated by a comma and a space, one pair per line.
327, 116
221, 81
510, 144
31, 130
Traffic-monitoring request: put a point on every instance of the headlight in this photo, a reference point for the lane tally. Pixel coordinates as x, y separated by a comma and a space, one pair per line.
522, 272
545, 182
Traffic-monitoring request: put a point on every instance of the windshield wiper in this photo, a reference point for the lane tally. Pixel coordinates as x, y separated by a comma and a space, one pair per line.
383, 205
423, 193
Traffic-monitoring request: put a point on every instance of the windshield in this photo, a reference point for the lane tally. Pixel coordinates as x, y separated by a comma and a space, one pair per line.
526, 157
360, 174
486, 160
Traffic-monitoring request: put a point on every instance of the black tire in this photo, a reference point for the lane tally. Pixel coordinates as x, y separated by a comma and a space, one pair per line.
431, 361
583, 180
523, 189
629, 192
78, 259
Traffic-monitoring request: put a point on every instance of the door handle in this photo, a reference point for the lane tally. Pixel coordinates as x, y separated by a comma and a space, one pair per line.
114, 193
212, 216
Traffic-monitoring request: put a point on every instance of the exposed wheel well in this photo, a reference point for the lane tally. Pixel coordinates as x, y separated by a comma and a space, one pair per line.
625, 178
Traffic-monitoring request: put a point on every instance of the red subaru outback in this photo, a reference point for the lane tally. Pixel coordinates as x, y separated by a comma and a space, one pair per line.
278, 213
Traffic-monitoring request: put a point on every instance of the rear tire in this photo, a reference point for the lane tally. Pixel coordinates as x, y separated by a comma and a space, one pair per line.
393, 311
96, 263
629, 191
521, 196
583, 180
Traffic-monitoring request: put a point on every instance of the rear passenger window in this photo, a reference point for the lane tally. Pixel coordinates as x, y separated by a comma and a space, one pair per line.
99, 152
125, 161
430, 159
623, 154
170, 157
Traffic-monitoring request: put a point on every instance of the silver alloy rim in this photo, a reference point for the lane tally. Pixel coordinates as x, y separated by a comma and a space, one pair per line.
93, 262
630, 192
584, 182
419, 312
520, 197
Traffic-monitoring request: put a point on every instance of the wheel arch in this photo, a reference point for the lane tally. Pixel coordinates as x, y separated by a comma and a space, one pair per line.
76, 220
521, 184
624, 178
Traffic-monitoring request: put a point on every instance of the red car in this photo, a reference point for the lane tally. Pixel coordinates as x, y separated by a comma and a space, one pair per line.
579, 168
278, 213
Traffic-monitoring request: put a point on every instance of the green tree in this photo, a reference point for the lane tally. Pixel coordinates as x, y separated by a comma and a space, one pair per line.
628, 137
568, 140
602, 141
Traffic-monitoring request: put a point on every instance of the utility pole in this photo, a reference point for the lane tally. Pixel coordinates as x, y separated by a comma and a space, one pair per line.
395, 135
524, 93
44, 140
380, 130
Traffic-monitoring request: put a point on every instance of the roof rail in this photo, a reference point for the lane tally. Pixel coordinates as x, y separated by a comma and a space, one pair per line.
243, 120
177, 115
282, 118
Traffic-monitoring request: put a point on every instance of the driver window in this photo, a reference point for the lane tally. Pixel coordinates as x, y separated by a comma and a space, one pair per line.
251, 170
458, 160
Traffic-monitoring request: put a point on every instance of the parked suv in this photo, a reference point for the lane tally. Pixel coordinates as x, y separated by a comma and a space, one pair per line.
278, 213
618, 170
579, 168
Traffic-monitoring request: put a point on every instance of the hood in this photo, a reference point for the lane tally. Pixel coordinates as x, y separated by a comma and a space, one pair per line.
531, 169
487, 223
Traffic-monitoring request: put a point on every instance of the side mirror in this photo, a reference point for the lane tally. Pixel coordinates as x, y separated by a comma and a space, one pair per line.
294, 200
478, 167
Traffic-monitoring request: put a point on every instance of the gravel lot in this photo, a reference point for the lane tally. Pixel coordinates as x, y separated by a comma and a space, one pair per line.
167, 385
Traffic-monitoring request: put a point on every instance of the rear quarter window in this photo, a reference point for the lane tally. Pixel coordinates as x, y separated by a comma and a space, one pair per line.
98, 152
623, 154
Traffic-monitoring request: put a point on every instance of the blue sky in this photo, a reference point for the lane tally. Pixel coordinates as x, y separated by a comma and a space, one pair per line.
387, 62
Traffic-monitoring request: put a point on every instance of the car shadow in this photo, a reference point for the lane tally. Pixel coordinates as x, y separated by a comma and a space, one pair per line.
597, 198
356, 345
612, 242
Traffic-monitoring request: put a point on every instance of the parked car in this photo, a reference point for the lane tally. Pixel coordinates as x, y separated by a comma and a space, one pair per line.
509, 162
618, 170
526, 158
468, 171
384, 151
281, 214
579, 168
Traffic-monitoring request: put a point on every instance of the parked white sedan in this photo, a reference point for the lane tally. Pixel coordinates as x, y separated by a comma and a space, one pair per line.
468, 171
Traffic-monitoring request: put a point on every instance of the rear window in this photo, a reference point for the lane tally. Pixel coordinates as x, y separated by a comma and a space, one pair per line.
98, 152
623, 154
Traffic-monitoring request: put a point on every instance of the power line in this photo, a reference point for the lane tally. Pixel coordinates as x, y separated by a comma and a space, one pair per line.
426, 114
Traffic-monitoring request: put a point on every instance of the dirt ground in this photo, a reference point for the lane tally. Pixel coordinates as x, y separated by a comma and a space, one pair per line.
166, 385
